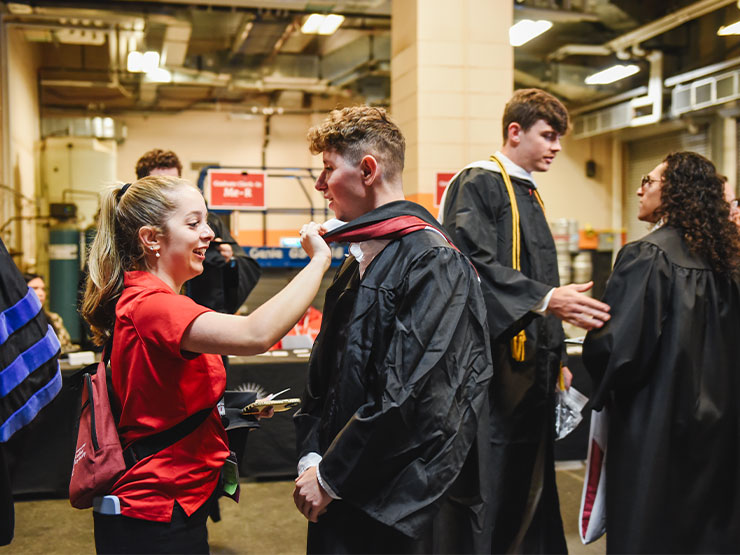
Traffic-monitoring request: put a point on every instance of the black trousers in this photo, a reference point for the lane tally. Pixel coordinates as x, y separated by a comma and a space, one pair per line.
183, 534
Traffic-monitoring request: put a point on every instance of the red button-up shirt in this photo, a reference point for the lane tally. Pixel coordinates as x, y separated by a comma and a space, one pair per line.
159, 386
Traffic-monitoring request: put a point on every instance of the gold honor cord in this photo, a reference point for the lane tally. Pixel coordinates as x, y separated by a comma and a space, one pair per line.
518, 341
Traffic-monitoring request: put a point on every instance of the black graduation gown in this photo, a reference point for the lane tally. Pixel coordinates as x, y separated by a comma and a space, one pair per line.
29, 369
224, 286
397, 386
477, 215
666, 363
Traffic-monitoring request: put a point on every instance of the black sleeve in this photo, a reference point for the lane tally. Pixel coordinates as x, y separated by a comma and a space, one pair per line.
248, 273
474, 214
241, 273
620, 354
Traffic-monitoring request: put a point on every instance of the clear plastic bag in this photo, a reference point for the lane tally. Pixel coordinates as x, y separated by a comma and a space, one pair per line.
569, 404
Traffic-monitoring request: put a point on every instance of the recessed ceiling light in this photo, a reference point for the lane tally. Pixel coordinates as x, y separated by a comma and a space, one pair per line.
525, 30
612, 74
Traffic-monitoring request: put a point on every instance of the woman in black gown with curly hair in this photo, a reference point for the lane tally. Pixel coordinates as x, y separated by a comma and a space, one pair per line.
666, 367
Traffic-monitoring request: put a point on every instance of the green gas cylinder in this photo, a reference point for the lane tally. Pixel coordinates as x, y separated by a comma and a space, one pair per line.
64, 276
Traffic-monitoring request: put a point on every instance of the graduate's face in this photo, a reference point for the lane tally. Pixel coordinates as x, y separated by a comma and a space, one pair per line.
535, 148
649, 192
342, 185
182, 246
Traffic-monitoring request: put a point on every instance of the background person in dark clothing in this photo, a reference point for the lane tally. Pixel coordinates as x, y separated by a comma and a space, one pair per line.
666, 368
229, 275
29, 370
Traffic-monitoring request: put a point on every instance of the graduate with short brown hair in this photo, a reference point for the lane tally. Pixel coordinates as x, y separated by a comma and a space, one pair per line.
493, 212
388, 431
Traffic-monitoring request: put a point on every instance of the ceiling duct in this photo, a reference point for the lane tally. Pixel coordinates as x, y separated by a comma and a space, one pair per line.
96, 127
262, 38
705, 92
341, 66
175, 45
640, 109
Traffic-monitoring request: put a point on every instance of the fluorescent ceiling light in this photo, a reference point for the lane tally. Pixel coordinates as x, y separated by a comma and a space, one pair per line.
612, 74
525, 30
134, 60
150, 61
733, 29
19, 9
317, 23
138, 62
312, 24
330, 24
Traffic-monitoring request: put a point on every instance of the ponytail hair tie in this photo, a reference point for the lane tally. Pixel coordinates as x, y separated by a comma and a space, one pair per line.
123, 190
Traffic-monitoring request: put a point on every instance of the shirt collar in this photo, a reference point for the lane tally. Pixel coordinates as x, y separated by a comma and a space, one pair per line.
142, 278
514, 170
366, 251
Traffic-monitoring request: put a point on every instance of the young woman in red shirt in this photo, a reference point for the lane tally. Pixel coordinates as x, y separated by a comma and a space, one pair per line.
166, 355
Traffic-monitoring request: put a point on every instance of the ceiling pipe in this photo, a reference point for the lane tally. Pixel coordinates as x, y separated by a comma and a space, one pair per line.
653, 29
654, 97
701, 72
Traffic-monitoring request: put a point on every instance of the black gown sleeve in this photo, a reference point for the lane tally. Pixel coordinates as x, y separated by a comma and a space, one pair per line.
240, 274
413, 433
474, 215
620, 354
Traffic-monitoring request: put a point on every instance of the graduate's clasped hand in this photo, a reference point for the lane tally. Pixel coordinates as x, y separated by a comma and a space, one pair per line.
309, 496
569, 303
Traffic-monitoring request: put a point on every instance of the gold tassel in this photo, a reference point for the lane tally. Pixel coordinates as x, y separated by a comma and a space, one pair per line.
517, 346
519, 340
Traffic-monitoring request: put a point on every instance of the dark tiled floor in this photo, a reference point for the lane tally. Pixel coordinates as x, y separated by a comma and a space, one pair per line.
265, 521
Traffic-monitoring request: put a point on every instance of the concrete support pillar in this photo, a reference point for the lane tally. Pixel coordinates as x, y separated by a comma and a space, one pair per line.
452, 72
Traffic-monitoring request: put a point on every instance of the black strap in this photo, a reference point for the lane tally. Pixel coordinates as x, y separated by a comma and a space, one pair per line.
147, 446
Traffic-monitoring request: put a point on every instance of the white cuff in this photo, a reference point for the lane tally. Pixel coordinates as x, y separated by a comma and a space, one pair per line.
313, 459
541, 307
324, 485
307, 461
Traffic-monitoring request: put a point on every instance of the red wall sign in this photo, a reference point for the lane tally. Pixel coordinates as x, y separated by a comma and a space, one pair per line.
443, 179
235, 190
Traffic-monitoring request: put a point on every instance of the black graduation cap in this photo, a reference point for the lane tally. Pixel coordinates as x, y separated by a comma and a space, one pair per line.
234, 402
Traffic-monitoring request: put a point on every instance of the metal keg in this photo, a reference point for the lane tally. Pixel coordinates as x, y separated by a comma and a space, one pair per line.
583, 268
